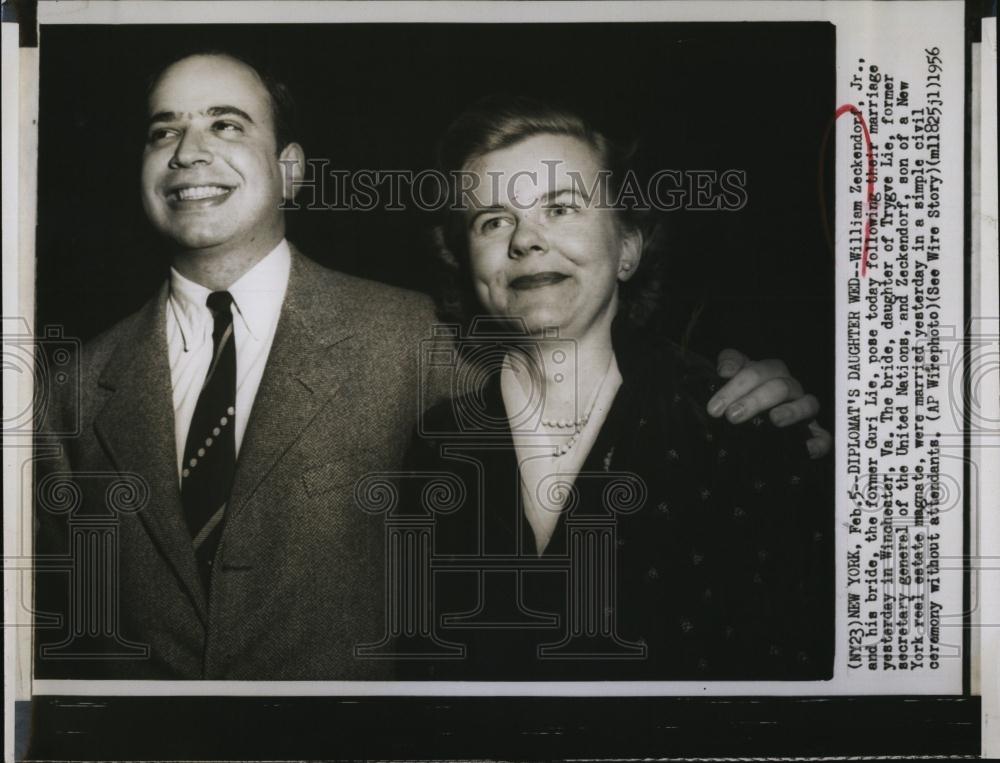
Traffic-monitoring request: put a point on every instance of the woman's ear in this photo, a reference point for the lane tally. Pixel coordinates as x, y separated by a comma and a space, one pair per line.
293, 162
631, 254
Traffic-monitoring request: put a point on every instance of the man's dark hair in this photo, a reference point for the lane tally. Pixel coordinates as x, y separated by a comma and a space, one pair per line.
284, 112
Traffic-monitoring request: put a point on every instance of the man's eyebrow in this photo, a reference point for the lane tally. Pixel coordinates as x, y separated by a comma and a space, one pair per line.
163, 116
555, 193
221, 111
214, 111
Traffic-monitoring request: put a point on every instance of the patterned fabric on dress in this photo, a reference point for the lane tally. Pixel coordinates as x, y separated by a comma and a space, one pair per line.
724, 572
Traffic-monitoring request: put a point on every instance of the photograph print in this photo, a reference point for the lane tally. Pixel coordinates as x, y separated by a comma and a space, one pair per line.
437, 352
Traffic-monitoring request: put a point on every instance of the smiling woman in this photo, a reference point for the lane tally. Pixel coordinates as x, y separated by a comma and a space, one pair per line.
721, 564
542, 250
567, 165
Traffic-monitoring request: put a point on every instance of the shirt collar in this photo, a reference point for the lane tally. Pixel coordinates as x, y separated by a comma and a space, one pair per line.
259, 292
257, 297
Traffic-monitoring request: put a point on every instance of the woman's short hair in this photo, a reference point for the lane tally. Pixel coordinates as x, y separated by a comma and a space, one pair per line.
500, 121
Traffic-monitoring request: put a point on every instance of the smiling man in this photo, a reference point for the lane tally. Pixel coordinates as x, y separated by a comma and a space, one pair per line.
244, 401
210, 179
248, 395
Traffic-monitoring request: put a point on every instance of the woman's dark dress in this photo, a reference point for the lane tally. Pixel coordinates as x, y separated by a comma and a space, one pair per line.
724, 572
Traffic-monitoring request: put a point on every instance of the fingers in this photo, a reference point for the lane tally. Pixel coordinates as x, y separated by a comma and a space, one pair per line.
747, 380
821, 442
730, 362
765, 385
761, 399
795, 411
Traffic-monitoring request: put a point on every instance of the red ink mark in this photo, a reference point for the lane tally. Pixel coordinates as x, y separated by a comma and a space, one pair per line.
871, 180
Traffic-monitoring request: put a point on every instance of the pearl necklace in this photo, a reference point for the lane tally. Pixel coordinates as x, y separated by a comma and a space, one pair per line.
578, 424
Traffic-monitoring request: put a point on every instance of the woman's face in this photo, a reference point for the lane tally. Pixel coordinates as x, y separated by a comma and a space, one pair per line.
539, 249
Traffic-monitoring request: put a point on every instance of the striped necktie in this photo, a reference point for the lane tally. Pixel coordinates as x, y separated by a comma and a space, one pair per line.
210, 451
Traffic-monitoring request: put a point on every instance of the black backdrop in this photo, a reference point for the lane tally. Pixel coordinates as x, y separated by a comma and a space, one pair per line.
754, 97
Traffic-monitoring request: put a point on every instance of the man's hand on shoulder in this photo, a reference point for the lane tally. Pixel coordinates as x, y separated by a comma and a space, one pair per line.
756, 387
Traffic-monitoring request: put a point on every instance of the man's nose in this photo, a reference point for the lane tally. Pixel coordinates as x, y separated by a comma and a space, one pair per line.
191, 150
528, 238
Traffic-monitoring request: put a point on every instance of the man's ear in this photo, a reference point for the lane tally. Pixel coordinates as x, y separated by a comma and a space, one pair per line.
631, 254
293, 165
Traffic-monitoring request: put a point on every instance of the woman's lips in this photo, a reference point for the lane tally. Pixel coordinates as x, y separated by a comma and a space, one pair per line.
537, 280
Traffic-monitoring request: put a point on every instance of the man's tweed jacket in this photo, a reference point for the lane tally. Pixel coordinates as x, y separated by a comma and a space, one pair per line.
298, 580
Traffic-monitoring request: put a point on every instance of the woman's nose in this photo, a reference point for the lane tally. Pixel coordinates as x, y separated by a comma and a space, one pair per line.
528, 239
191, 150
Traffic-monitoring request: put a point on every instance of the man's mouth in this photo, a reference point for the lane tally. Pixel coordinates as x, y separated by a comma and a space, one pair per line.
210, 193
537, 280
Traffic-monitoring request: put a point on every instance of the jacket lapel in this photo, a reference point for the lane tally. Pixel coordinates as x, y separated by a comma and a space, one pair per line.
136, 428
306, 365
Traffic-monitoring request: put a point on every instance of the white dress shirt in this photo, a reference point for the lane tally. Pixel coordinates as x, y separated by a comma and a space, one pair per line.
257, 299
